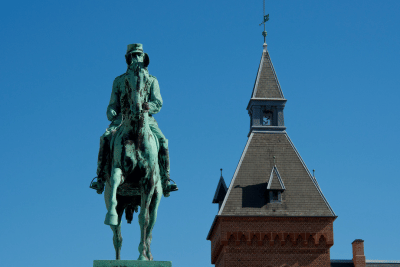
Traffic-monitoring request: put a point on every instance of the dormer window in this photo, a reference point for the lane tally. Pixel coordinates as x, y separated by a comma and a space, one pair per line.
267, 118
275, 187
275, 196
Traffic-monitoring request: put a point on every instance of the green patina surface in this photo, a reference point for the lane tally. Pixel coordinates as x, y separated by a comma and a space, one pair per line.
133, 162
130, 263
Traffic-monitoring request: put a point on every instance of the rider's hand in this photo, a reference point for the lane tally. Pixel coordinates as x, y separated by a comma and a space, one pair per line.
113, 113
99, 186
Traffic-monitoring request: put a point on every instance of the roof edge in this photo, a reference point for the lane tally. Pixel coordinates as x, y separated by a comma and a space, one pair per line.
235, 174
212, 228
311, 177
257, 99
255, 87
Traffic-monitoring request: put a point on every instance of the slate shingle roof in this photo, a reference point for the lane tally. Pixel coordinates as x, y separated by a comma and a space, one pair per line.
368, 263
266, 84
302, 196
379, 263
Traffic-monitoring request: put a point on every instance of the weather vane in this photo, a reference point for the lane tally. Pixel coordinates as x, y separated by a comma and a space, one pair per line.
266, 18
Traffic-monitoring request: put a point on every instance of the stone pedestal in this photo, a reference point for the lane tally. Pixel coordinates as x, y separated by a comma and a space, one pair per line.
131, 263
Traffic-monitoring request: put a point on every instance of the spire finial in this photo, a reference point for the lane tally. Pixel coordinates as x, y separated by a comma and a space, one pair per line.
274, 159
221, 172
265, 19
313, 173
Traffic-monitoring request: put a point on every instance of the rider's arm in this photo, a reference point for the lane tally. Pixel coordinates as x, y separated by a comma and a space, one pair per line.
114, 107
155, 100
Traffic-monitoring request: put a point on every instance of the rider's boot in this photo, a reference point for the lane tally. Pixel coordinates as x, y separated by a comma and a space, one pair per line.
163, 157
103, 164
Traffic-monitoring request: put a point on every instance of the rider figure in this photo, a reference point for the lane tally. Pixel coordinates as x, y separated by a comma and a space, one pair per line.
134, 54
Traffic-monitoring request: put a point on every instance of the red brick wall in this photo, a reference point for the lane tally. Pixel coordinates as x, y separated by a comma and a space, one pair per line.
358, 253
271, 242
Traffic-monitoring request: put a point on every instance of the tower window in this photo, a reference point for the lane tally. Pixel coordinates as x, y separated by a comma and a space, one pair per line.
267, 118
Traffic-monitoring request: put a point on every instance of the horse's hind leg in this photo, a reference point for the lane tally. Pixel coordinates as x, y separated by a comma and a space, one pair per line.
115, 180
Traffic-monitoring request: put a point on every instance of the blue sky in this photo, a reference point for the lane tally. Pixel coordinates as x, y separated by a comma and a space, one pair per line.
337, 63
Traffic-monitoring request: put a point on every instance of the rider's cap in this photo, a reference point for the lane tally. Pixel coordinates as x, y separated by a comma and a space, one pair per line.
132, 48
138, 48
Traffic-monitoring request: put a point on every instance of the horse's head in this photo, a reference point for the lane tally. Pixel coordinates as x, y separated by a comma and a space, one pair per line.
135, 92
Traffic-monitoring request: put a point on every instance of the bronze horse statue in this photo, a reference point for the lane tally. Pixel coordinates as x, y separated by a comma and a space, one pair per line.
135, 175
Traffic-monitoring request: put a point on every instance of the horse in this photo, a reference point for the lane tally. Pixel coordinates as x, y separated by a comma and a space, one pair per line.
135, 175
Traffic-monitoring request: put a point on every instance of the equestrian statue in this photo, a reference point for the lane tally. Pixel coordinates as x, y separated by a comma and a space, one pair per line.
133, 163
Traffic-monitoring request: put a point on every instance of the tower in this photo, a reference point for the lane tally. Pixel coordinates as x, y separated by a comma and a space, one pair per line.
274, 213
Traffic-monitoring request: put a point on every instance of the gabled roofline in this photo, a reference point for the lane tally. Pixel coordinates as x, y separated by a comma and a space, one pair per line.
275, 169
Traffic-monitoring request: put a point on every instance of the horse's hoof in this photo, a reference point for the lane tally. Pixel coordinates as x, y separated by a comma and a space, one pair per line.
142, 258
111, 219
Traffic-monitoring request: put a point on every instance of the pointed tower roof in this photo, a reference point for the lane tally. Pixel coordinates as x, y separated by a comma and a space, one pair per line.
221, 190
266, 84
268, 149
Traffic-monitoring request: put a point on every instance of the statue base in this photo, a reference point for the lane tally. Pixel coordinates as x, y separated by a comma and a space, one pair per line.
131, 263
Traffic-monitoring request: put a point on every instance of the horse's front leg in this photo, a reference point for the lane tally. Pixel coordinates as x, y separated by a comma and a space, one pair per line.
115, 181
144, 219
117, 239
155, 202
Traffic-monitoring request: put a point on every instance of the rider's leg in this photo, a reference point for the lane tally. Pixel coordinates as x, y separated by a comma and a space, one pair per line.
163, 158
103, 158
115, 180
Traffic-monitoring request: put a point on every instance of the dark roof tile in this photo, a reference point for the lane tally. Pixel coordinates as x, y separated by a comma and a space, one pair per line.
266, 84
245, 196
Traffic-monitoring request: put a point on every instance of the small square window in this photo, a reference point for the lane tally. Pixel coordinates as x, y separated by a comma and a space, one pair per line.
275, 196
